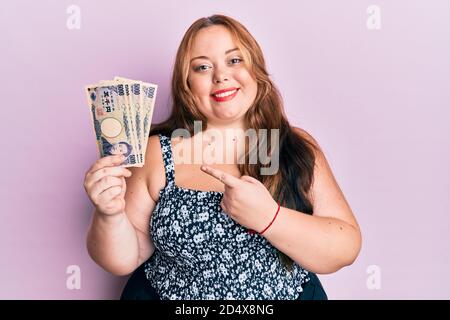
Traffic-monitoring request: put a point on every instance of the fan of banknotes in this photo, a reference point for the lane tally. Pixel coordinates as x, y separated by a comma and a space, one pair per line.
122, 111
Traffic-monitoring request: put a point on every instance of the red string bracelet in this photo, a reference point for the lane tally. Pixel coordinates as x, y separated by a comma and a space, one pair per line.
253, 231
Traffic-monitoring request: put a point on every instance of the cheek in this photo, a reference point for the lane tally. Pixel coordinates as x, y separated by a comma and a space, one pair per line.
200, 86
246, 80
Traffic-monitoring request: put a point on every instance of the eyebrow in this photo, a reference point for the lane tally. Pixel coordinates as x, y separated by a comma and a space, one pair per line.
205, 57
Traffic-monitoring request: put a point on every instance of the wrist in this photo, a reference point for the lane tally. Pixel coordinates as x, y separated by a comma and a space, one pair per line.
269, 218
110, 218
272, 220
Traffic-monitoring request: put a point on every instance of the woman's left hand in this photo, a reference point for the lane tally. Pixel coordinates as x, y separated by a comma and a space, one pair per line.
246, 200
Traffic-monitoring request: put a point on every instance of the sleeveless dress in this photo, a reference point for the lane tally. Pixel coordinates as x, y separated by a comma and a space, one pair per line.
203, 254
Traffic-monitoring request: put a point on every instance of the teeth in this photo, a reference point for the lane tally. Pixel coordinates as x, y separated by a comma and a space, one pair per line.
225, 94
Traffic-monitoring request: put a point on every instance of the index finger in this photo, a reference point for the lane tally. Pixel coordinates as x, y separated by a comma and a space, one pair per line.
225, 178
108, 161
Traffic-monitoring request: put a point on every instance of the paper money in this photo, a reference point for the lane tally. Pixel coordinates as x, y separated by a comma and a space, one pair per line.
147, 104
121, 111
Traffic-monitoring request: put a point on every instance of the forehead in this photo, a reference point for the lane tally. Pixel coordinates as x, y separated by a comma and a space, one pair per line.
213, 39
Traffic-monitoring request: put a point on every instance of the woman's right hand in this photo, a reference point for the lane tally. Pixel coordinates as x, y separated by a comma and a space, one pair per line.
105, 184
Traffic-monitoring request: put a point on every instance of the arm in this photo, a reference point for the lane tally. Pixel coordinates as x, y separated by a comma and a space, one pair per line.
329, 239
120, 243
112, 243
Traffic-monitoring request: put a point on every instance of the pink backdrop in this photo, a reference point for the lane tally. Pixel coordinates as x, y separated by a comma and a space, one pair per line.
377, 100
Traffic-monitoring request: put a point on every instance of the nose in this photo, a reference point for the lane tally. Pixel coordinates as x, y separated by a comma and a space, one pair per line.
220, 76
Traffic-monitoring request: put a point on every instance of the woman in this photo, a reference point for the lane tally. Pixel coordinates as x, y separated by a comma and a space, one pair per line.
222, 230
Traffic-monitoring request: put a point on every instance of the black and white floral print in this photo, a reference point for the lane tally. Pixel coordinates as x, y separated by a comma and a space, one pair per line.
201, 253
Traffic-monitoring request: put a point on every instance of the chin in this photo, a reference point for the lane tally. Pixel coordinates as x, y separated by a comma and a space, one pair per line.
229, 114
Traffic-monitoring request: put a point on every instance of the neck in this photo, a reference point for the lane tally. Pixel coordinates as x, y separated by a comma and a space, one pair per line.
223, 137
236, 129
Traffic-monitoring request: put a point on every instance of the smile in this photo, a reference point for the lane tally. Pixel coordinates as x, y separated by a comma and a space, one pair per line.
225, 94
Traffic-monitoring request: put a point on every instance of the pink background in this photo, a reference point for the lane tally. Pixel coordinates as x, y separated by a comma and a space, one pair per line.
376, 100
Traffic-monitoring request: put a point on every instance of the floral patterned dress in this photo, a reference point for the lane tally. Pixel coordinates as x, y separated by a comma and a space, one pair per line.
201, 253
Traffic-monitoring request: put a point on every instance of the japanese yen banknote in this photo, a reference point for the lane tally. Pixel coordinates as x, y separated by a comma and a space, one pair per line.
122, 111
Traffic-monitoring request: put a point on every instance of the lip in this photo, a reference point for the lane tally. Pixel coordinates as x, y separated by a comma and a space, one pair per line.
227, 98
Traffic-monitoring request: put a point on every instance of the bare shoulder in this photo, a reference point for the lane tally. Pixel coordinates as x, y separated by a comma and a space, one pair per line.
141, 196
321, 162
327, 197
154, 167
307, 136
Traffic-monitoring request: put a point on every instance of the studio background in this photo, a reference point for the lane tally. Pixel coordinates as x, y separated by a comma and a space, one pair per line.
368, 79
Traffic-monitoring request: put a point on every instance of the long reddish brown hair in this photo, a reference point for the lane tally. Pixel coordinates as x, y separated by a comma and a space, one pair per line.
292, 182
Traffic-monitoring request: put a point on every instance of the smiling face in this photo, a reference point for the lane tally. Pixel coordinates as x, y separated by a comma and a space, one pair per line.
222, 87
